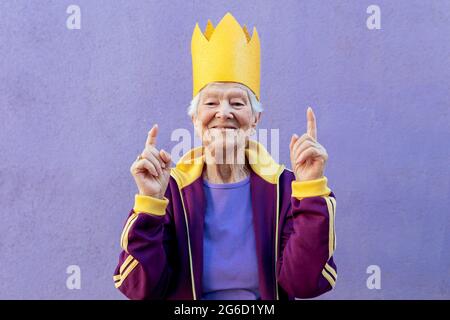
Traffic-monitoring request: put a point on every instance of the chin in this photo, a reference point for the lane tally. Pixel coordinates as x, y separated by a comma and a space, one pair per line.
225, 147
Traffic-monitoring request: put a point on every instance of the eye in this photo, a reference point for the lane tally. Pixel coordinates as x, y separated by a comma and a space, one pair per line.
237, 104
210, 103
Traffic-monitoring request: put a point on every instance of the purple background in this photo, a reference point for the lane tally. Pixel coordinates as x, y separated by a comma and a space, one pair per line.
76, 105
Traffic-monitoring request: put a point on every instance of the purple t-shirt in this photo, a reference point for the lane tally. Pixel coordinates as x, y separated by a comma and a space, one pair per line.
230, 269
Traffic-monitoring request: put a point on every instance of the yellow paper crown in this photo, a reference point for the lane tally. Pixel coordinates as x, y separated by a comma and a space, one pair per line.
226, 53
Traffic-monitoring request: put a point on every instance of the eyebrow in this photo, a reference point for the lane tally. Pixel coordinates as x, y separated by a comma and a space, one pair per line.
240, 93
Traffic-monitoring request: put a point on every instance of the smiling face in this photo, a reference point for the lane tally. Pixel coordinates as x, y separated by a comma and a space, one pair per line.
225, 119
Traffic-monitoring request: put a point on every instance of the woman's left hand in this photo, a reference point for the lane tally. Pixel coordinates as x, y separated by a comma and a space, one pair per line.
308, 157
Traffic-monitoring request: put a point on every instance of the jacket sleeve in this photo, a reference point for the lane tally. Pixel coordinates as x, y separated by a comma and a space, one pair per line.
306, 268
144, 271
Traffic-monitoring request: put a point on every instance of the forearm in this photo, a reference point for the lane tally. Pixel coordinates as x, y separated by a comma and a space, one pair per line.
143, 271
306, 268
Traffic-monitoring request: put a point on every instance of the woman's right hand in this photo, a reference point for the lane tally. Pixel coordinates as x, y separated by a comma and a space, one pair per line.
151, 171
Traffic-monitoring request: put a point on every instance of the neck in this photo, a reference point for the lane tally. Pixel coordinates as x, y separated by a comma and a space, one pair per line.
220, 169
226, 173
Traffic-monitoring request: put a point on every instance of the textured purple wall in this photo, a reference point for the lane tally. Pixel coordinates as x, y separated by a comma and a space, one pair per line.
76, 105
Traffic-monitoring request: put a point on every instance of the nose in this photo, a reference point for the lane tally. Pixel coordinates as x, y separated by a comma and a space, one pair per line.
224, 111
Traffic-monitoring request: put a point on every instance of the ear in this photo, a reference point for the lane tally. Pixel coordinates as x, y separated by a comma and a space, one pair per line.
256, 119
195, 125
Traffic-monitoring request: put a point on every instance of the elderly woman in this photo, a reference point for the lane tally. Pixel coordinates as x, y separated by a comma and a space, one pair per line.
228, 222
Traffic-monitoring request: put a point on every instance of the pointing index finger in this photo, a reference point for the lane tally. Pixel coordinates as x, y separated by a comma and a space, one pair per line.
311, 123
153, 133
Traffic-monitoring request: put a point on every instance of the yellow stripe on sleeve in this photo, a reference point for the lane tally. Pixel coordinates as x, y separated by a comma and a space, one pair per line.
329, 278
125, 264
331, 270
126, 230
333, 202
330, 227
126, 273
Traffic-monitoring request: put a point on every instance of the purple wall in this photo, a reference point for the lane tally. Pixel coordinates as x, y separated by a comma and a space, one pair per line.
76, 105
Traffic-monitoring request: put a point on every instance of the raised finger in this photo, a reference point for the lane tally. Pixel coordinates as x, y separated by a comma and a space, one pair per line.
311, 123
152, 135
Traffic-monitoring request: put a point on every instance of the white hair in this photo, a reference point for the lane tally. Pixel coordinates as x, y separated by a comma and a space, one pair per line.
254, 103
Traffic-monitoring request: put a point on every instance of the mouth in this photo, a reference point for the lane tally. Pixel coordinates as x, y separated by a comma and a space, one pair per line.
223, 127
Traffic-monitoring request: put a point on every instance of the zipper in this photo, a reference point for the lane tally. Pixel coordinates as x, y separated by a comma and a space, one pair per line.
194, 295
276, 232
276, 236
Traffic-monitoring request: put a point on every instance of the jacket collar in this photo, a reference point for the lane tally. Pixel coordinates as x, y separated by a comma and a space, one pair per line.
264, 179
190, 166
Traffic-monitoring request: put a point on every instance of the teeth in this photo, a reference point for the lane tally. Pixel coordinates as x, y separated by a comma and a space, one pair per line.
225, 128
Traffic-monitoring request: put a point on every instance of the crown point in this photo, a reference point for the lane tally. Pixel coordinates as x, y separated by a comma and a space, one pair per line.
247, 35
198, 34
229, 16
209, 29
255, 34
